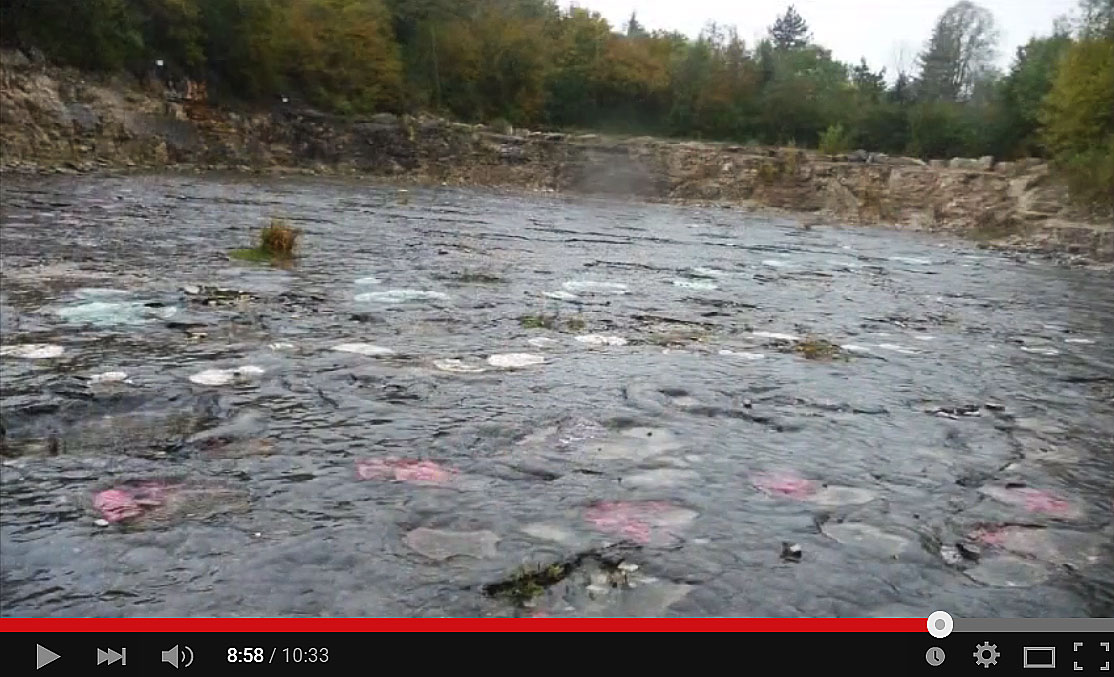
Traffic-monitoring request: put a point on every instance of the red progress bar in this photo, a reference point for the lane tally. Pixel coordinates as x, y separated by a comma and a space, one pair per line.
462, 624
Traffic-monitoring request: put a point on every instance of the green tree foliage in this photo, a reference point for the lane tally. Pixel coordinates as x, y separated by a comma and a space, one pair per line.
476, 59
1021, 95
871, 86
1097, 19
940, 129
882, 127
172, 32
513, 63
790, 31
835, 139
241, 46
95, 34
632, 86
579, 49
714, 87
635, 29
340, 54
807, 92
1078, 118
958, 53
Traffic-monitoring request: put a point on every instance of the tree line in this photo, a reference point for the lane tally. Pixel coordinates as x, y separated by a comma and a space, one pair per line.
530, 62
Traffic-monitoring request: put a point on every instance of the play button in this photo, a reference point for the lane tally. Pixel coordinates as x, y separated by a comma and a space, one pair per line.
44, 656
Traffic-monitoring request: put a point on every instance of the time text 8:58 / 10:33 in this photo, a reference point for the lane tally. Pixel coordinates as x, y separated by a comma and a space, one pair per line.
278, 655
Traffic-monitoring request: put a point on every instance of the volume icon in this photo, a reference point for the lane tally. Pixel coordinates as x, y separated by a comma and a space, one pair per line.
112, 656
171, 656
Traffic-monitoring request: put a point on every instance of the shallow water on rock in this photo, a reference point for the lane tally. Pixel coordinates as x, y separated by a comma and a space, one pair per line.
373, 431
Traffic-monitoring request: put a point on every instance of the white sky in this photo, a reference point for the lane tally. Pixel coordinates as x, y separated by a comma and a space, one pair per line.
878, 30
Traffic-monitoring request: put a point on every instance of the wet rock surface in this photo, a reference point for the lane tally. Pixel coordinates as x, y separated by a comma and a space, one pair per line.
378, 433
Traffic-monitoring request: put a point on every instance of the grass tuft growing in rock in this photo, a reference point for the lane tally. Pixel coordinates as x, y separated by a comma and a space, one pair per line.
254, 255
544, 321
528, 582
989, 227
575, 324
768, 172
478, 277
817, 349
539, 321
277, 243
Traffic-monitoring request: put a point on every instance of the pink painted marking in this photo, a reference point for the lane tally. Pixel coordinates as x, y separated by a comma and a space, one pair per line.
785, 484
116, 505
1036, 500
642, 522
400, 470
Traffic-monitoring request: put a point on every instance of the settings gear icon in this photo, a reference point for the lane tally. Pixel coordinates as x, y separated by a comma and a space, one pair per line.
986, 654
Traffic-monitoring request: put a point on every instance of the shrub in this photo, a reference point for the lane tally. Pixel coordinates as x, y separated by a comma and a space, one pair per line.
276, 244
1090, 176
768, 172
501, 126
1078, 119
835, 139
279, 239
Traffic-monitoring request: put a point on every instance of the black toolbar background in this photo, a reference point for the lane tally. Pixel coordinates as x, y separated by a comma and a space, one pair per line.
960, 647
788, 653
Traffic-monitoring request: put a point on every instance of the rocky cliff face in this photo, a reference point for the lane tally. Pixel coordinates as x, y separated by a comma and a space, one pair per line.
59, 120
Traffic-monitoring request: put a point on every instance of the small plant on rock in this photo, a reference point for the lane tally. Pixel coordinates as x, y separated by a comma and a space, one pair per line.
528, 582
539, 321
478, 277
817, 349
276, 244
768, 172
575, 324
554, 322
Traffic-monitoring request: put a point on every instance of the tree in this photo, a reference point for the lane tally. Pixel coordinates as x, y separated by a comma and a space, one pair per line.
903, 91
417, 27
341, 54
172, 32
1097, 19
882, 127
1079, 109
869, 84
1078, 120
514, 62
958, 54
808, 92
715, 87
241, 46
579, 44
790, 31
1021, 94
95, 34
940, 129
635, 29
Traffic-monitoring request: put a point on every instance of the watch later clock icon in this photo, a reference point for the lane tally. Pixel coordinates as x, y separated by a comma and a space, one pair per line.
935, 656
